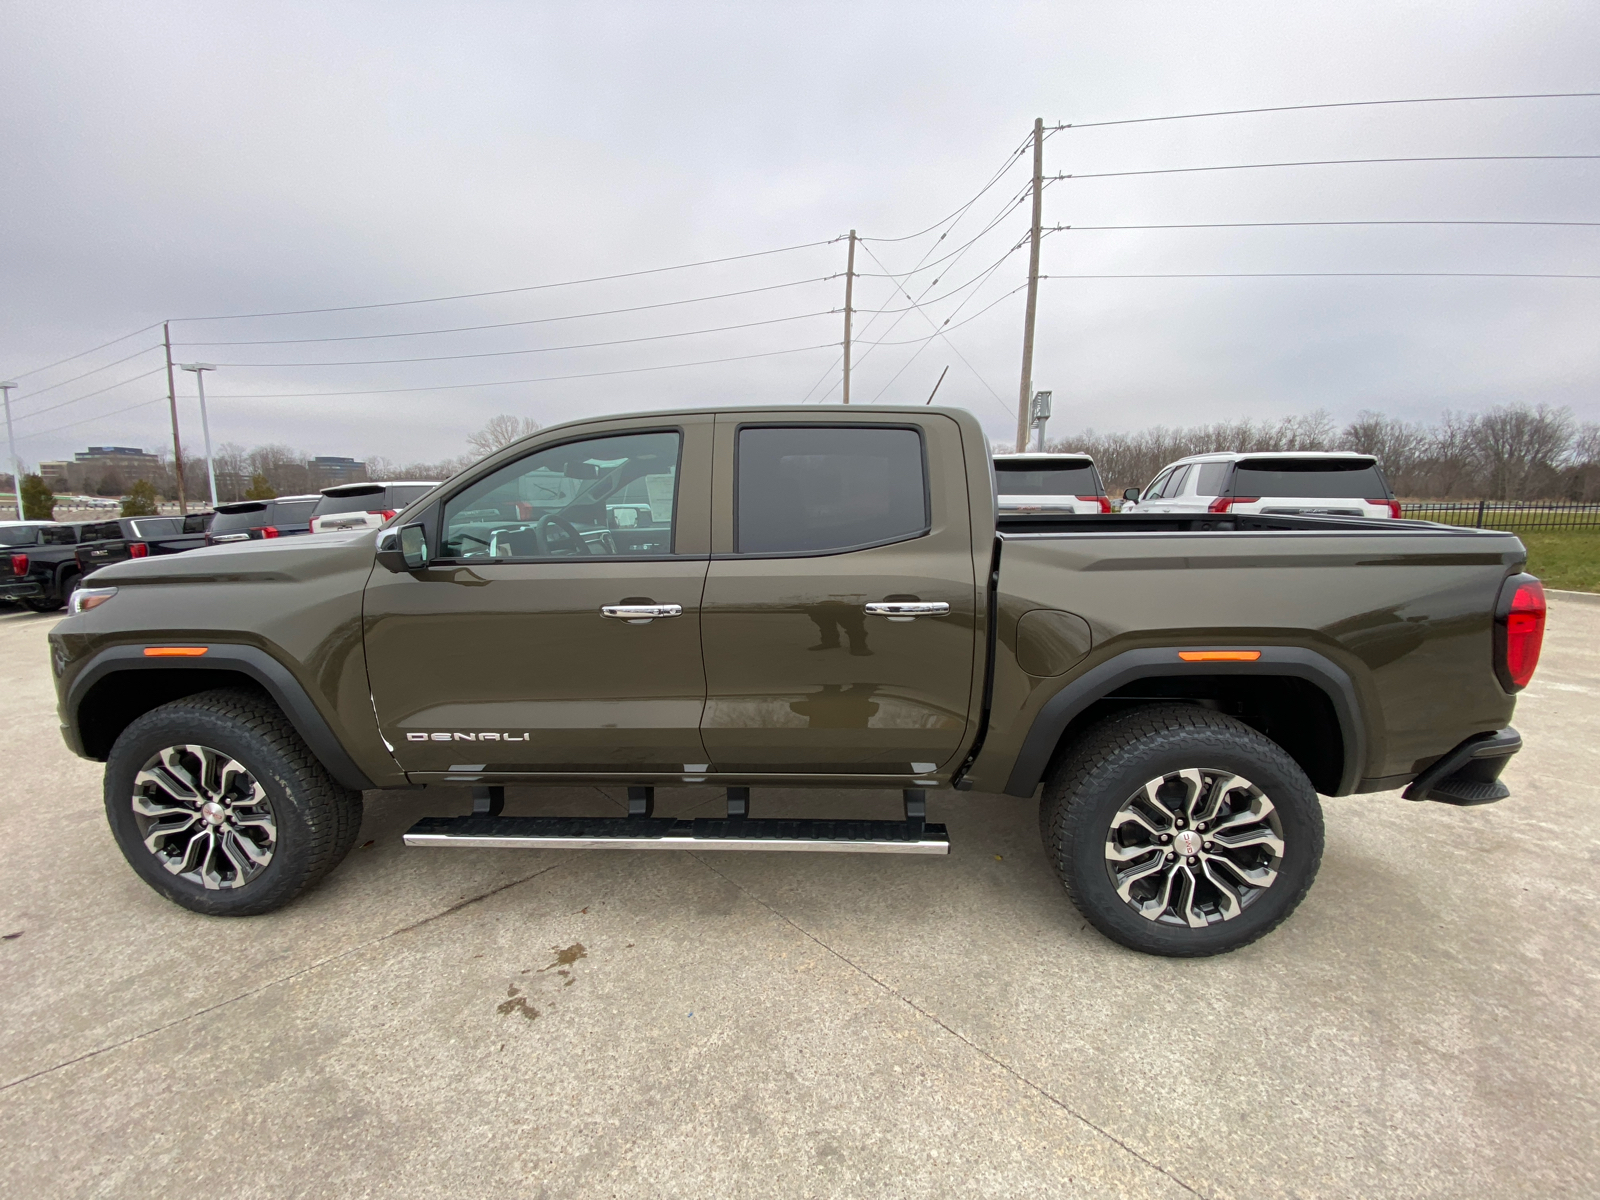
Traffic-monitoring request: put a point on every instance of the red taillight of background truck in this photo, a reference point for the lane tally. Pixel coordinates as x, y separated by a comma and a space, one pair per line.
19, 565
1392, 505
266, 531
138, 550
1224, 503
1103, 501
1519, 631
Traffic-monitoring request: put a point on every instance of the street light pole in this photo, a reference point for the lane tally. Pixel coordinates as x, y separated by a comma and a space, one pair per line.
16, 467
199, 370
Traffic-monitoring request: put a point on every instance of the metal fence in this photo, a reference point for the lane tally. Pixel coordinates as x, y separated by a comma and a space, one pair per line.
1492, 514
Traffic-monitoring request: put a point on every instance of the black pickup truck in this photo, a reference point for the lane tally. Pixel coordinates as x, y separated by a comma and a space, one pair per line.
107, 542
41, 569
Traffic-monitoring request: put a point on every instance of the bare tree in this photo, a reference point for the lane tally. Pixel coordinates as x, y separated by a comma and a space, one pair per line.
1399, 446
501, 431
1519, 449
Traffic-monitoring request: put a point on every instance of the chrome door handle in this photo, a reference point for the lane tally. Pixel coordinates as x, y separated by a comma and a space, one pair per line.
640, 614
907, 610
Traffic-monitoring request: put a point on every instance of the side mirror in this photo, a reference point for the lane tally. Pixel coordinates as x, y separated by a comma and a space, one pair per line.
404, 549
1131, 495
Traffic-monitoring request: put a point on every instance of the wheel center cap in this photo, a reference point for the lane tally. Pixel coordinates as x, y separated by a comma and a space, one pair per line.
214, 812
1187, 842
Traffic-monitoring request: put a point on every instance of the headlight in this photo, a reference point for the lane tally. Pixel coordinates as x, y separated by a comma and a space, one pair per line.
86, 598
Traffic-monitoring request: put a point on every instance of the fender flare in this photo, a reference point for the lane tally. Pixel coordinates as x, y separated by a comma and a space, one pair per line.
279, 683
1098, 682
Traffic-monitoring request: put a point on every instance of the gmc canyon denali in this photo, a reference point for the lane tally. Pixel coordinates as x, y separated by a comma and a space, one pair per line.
807, 596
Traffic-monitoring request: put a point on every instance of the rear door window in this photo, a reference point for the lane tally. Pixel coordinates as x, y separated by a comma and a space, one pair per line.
812, 488
1213, 478
1034, 479
1324, 479
607, 496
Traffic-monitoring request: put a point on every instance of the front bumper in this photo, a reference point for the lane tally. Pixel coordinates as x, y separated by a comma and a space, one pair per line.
1469, 774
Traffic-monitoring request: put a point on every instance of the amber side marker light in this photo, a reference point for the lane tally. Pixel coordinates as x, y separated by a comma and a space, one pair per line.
174, 651
1202, 655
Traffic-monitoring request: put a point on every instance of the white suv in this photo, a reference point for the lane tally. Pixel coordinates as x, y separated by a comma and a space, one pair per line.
363, 505
1049, 483
1291, 481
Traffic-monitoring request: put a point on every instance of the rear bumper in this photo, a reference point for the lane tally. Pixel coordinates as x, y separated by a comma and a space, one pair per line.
20, 589
1469, 774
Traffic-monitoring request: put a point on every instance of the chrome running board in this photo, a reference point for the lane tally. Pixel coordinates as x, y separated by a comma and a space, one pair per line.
665, 833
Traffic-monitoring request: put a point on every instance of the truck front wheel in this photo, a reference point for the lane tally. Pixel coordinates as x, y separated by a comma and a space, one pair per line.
217, 803
1180, 831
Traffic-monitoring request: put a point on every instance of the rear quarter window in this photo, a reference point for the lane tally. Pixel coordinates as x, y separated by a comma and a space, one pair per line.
1213, 478
1310, 479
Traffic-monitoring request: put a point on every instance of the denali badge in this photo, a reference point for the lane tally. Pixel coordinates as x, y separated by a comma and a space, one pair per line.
466, 737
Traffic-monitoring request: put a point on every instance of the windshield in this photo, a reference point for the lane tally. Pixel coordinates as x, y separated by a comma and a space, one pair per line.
1317, 479
1067, 479
19, 535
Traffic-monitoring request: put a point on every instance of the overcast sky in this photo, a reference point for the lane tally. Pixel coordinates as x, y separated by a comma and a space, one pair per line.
174, 161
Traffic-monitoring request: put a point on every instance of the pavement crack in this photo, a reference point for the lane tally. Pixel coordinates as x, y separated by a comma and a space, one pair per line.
271, 983
960, 1037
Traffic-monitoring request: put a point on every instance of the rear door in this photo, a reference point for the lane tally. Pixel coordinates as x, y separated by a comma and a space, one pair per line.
822, 530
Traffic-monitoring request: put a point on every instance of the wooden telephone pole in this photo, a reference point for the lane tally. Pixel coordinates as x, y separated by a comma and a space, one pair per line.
172, 402
849, 291
1025, 399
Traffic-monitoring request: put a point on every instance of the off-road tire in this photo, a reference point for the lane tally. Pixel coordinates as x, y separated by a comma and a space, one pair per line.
317, 819
1099, 774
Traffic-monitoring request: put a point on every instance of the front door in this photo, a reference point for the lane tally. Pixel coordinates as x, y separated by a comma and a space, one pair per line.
557, 628
829, 538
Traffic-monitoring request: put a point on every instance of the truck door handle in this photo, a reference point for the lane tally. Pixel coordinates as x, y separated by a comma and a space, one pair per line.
907, 610
640, 614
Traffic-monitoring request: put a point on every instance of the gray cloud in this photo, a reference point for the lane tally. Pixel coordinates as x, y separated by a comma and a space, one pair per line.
181, 160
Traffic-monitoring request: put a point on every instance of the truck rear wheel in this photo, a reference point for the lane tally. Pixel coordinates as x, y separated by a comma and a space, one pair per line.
1180, 831
217, 803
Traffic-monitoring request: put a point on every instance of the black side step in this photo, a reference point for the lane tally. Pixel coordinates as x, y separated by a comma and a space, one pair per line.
663, 833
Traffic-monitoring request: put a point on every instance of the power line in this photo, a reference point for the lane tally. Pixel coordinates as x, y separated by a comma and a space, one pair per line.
1236, 112
1338, 162
367, 337
537, 287
87, 395
658, 337
446, 387
1289, 224
1016, 202
83, 353
1335, 275
946, 327
37, 433
994, 179
51, 387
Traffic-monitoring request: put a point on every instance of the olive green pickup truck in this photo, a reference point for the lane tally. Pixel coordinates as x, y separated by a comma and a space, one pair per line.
800, 596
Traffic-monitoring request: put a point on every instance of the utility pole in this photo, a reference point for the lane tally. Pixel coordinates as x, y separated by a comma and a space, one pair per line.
199, 370
16, 467
172, 401
1026, 392
849, 291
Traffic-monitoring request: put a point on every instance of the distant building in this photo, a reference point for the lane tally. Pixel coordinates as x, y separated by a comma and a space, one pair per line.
329, 470
116, 467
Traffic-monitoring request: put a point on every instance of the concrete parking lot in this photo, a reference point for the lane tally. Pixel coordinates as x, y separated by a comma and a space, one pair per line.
504, 1023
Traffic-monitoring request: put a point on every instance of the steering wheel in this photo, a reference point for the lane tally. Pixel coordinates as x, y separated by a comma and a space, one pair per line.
541, 535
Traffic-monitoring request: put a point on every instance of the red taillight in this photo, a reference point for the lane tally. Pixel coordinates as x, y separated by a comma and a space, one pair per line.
1392, 505
266, 531
1103, 501
386, 513
1522, 631
138, 550
1224, 503
19, 564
